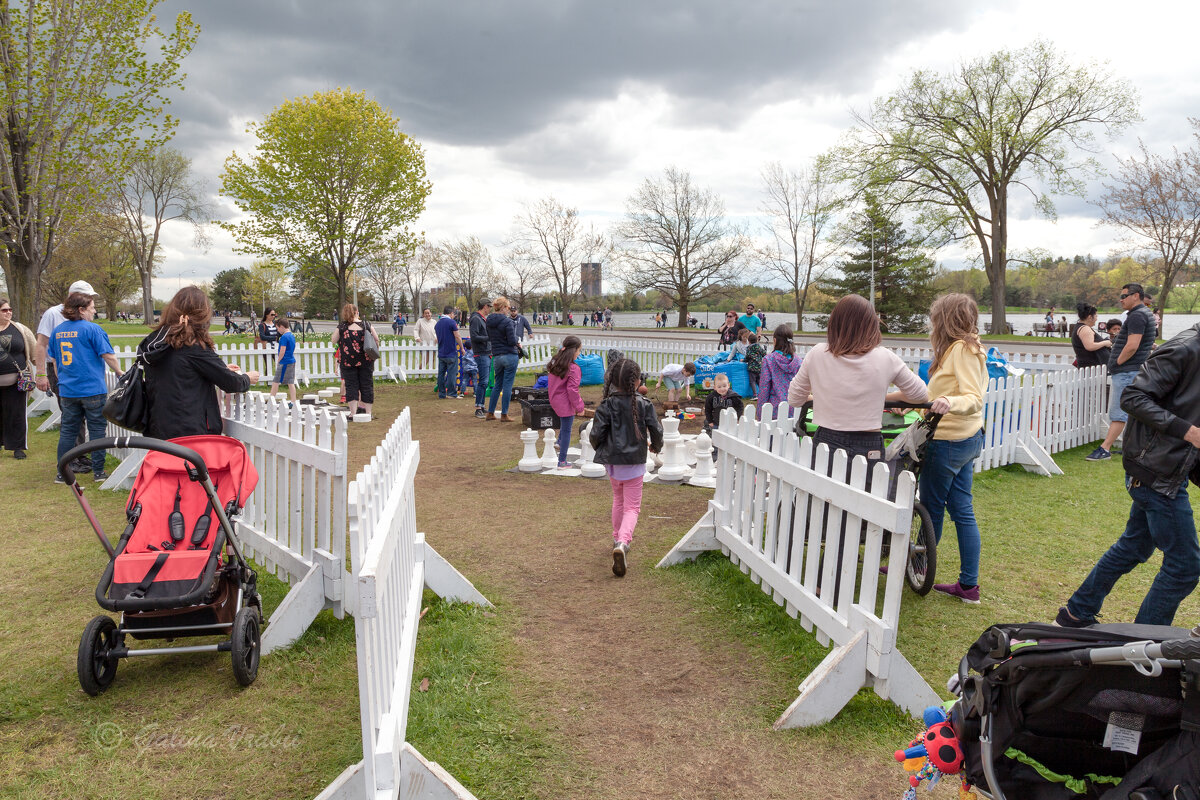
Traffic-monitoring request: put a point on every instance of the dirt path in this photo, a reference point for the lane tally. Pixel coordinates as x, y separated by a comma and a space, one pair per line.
649, 699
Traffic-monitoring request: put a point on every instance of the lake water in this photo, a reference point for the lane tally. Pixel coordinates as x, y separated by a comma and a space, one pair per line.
1022, 323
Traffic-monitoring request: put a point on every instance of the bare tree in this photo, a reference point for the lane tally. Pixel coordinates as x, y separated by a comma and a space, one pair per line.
953, 145
799, 206
1156, 202
383, 272
423, 266
521, 277
468, 263
159, 188
675, 239
552, 235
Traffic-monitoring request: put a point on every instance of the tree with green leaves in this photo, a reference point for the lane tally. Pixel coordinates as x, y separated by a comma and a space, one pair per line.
266, 283
953, 145
228, 291
334, 176
899, 267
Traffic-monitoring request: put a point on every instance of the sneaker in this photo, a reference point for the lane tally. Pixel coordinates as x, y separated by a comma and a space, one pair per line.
883, 570
81, 465
59, 479
100, 476
18, 454
1099, 454
1065, 620
564, 465
619, 552
956, 590
480, 414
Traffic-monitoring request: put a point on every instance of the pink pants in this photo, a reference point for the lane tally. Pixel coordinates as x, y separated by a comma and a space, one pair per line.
627, 504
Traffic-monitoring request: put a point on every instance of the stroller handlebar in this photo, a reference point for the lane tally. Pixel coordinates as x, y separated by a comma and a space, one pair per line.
135, 442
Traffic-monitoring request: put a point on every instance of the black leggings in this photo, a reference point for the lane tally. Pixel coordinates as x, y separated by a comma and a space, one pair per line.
360, 384
12, 418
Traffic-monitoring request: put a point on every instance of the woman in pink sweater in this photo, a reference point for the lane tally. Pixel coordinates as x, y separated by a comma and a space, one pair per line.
848, 377
565, 399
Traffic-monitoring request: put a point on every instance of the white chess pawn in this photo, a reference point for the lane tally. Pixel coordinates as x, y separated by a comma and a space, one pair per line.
587, 465
673, 464
549, 457
705, 474
529, 459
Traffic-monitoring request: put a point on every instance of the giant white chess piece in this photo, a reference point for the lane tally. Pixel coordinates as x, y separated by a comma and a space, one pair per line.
529, 459
549, 457
705, 474
674, 464
587, 465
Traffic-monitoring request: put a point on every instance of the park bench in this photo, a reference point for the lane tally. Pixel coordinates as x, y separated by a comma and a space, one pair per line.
987, 327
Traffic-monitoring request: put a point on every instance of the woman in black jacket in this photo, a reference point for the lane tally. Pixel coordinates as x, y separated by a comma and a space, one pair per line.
502, 337
183, 370
624, 427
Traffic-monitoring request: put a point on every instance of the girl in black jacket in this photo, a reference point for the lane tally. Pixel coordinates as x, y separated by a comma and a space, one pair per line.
625, 426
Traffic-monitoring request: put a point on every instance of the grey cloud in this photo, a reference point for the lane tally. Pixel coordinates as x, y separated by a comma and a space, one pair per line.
480, 72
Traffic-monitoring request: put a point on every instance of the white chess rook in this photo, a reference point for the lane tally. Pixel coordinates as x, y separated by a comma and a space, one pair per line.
549, 457
705, 474
587, 454
674, 463
529, 459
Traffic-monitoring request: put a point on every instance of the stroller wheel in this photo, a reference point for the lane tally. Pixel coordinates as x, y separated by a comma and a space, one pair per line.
922, 553
246, 645
95, 666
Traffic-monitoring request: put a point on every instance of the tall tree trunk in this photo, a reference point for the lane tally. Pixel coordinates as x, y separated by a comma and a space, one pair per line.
683, 313
998, 272
22, 278
147, 296
799, 308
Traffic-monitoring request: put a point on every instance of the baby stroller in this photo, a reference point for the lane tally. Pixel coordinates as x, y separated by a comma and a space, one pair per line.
1109, 712
177, 570
906, 436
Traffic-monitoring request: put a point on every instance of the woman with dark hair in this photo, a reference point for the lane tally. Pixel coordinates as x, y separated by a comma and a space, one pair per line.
357, 370
16, 361
778, 368
729, 330
565, 399
1089, 350
183, 370
848, 376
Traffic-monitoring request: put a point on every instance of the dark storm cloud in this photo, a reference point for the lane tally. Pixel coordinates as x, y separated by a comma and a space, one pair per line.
491, 73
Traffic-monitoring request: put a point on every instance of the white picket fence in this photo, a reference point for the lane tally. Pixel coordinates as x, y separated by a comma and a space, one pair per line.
391, 564
398, 360
784, 524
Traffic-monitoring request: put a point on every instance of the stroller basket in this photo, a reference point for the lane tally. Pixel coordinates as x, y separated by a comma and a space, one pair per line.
1049, 713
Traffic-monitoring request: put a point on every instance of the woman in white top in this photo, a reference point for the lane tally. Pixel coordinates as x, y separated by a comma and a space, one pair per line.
848, 378
426, 335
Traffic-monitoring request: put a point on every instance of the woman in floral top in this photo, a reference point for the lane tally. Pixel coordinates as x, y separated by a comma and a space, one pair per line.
357, 369
778, 369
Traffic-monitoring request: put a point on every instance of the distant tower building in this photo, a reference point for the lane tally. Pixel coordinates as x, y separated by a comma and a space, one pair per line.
590, 279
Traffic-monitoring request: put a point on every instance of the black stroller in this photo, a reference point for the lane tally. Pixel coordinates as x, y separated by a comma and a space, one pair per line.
176, 571
1109, 712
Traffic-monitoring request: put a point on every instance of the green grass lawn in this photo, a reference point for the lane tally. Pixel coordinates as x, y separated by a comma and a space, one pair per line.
171, 725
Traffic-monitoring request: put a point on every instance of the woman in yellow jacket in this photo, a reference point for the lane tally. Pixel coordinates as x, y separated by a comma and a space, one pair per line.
957, 379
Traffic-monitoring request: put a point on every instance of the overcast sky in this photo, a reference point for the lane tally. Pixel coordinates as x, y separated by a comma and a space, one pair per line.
514, 100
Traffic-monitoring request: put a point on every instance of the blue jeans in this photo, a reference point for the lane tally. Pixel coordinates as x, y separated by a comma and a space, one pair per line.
946, 478
1120, 382
485, 371
1155, 521
74, 411
447, 375
564, 436
506, 372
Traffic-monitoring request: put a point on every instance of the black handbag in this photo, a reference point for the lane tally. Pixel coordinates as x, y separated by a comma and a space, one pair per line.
128, 405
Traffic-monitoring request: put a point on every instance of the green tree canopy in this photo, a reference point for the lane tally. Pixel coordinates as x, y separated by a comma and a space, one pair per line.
903, 271
228, 291
333, 175
80, 98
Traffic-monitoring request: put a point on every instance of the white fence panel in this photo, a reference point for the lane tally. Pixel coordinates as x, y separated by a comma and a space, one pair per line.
785, 512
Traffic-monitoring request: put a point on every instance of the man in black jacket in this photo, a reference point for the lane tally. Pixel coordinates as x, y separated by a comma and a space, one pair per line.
481, 346
1160, 455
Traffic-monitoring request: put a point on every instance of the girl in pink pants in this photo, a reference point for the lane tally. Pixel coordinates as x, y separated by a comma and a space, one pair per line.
624, 427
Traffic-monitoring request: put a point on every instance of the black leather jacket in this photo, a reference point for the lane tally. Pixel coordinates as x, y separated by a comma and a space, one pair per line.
613, 433
1163, 403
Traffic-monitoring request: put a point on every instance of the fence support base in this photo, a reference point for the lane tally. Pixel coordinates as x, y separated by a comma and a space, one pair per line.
701, 538
420, 779
830, 686
1034, 458
123, 476
448, 583
297, 611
